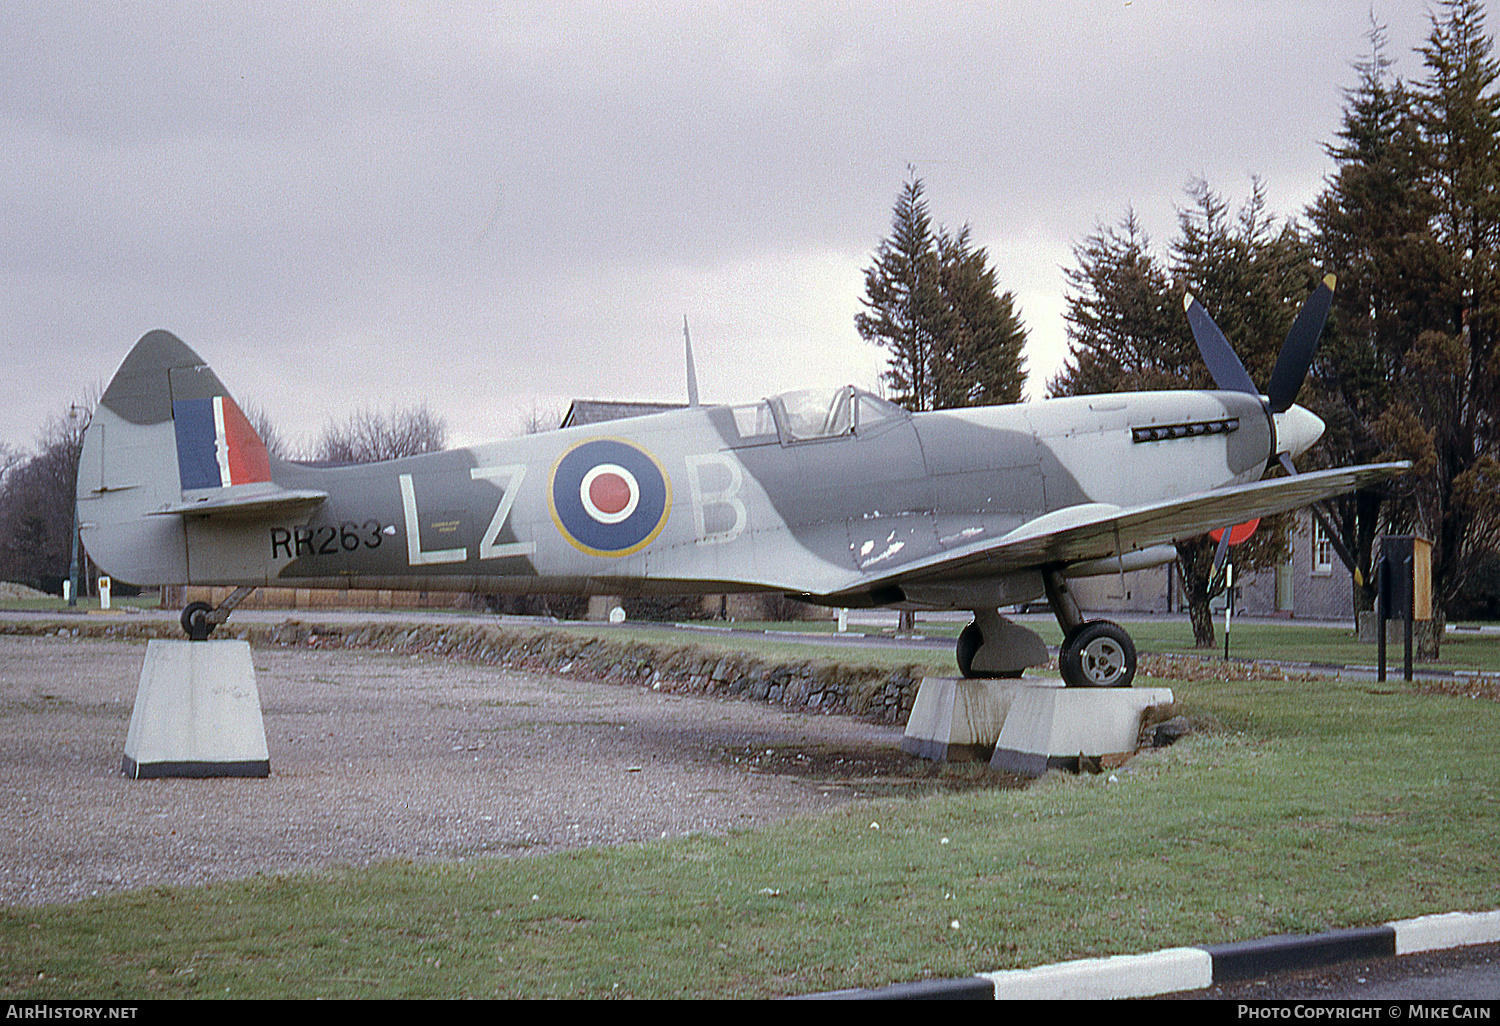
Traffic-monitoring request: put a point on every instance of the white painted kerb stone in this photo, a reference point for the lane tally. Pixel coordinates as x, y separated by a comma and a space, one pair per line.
197, 712
1449, 930
1119, 976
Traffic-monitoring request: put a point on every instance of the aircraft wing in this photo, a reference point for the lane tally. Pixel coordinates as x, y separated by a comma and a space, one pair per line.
1097, 530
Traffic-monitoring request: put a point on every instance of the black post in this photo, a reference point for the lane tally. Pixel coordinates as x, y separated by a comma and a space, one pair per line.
1382, 612
1408, 571
74, 413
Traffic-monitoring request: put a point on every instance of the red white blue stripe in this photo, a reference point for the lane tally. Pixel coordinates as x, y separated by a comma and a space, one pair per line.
216, 446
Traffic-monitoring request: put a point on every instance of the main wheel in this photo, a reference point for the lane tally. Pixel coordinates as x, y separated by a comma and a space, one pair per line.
1097, 654
195, 621
969, 641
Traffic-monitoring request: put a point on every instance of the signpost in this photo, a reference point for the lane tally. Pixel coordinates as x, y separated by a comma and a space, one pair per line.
1403, 587
1229, 603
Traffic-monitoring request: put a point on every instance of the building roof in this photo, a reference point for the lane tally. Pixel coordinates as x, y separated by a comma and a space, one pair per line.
596, 411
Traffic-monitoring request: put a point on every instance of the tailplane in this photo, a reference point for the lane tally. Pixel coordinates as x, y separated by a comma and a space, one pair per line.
168, 441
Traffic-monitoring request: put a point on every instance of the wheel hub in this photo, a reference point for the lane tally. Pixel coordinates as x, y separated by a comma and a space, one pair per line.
1103, 661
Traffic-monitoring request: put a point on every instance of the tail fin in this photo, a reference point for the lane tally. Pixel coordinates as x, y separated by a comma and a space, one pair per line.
163, 380
216, 446
168, 439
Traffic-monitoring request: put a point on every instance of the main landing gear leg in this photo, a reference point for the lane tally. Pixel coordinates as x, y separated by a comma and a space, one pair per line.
199, 618
1094, 653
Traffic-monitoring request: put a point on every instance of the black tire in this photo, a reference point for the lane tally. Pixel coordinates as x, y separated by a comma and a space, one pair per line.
1097, 654
195, 621
969, 641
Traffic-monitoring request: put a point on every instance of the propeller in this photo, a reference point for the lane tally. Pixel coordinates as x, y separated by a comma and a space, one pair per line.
1300, 345
1291, 365
1294, 425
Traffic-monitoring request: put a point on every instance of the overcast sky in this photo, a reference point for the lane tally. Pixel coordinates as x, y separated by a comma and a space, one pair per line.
495, 207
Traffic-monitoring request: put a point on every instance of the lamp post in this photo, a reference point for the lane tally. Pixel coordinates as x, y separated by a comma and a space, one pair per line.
76, 417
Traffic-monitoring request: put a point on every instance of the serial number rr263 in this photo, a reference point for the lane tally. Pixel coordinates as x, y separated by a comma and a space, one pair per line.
324, 541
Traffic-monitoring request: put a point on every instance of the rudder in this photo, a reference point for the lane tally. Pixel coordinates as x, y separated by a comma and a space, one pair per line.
165, 429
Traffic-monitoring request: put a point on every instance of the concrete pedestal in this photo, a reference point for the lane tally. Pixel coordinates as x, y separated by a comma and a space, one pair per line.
1057, 727
197, 713
956, 718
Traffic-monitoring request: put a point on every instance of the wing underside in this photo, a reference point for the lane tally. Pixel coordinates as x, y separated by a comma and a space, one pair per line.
1099, 532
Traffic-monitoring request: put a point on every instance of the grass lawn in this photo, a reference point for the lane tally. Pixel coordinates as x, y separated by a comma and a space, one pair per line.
1320, 806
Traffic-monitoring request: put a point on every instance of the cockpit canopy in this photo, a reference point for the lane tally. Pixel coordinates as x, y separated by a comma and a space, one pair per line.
810, 414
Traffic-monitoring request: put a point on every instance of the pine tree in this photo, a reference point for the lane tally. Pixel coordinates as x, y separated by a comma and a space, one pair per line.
1127, 332
1370, 226
901, 293
933, 301
1444, 414
978, 353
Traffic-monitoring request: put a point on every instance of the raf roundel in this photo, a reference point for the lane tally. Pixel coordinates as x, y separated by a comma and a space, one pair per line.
609, 497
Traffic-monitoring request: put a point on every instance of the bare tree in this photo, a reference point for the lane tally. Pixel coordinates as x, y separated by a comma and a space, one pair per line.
36, 502
10, 458
370, 436
539, 418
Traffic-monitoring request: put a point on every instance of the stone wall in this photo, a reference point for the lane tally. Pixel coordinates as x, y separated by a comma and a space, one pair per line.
878, 693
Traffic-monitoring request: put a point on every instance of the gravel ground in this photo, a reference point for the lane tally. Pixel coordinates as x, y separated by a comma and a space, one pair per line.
378, 757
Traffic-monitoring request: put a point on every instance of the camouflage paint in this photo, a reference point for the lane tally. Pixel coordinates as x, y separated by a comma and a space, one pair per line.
960, 507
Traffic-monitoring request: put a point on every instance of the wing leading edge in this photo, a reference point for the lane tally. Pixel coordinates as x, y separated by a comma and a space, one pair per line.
1099, 531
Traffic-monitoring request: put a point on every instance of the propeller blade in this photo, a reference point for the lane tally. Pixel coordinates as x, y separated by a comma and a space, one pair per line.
1286, 380
1220, 554
1228, 373
1300, 345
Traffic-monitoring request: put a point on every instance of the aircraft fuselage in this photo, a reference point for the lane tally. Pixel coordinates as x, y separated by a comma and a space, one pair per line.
758, 496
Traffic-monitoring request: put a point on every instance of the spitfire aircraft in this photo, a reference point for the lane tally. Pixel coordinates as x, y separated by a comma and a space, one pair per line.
834, 496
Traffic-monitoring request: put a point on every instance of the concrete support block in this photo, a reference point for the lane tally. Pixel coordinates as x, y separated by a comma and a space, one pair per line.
601, 607
957, 718
1053, 727
197, 713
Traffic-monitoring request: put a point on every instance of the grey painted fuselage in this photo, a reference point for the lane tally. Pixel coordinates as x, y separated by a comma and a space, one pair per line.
871, 506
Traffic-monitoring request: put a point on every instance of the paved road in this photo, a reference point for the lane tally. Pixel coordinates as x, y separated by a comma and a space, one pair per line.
1471, 973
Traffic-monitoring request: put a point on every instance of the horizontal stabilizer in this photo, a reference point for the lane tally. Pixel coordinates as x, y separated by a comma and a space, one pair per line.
1109, 531
246, 502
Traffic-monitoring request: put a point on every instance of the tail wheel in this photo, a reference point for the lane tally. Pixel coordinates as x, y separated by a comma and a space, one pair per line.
196, 622
1097, 654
